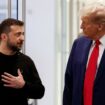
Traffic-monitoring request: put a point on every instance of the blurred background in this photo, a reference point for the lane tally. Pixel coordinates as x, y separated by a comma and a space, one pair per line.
51, 26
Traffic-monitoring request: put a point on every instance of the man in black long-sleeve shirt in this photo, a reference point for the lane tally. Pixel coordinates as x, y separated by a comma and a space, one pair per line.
19, 77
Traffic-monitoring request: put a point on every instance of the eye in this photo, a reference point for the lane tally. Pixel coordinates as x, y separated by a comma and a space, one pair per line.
19, 34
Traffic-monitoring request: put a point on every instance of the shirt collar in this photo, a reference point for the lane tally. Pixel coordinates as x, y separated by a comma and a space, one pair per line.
102, 40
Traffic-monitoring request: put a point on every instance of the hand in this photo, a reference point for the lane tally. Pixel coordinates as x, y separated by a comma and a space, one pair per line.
13, 81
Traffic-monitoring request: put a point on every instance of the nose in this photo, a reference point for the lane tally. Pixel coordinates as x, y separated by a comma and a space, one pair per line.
22, 37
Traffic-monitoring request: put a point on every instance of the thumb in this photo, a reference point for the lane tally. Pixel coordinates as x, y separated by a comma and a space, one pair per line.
19, 72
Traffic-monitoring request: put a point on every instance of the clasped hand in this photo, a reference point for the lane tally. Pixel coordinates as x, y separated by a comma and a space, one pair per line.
13, 81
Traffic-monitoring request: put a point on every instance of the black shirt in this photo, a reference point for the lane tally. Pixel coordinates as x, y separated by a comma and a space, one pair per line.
33, 87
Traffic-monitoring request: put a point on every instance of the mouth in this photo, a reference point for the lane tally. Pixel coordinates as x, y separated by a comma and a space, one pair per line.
20, 44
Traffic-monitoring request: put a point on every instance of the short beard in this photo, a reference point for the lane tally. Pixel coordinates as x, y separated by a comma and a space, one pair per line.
14, 48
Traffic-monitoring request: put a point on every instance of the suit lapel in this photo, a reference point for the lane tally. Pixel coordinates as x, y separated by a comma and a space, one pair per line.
101, 68
86, 53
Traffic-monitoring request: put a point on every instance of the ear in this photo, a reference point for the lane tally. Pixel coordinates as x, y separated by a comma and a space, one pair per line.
101, 26
3, 36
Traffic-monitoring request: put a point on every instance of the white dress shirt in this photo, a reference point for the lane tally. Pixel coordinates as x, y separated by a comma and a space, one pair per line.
101, 49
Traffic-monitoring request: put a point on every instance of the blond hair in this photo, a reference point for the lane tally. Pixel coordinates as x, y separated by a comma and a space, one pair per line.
95, 11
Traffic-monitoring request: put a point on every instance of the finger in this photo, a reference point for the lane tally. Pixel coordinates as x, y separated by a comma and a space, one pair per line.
8, 75
4, 80
9, 85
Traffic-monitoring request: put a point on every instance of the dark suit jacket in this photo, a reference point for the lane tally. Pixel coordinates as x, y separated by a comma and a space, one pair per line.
74, 75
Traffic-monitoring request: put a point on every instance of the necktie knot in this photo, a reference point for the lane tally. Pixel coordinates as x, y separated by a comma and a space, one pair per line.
97, 42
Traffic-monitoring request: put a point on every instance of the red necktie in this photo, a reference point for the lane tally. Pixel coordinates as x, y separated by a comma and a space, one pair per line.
90, 75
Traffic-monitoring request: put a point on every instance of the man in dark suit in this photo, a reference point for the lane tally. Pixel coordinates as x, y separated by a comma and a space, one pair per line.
78, 90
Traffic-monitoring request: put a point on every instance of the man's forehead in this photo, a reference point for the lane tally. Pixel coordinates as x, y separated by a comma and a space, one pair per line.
85, 18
